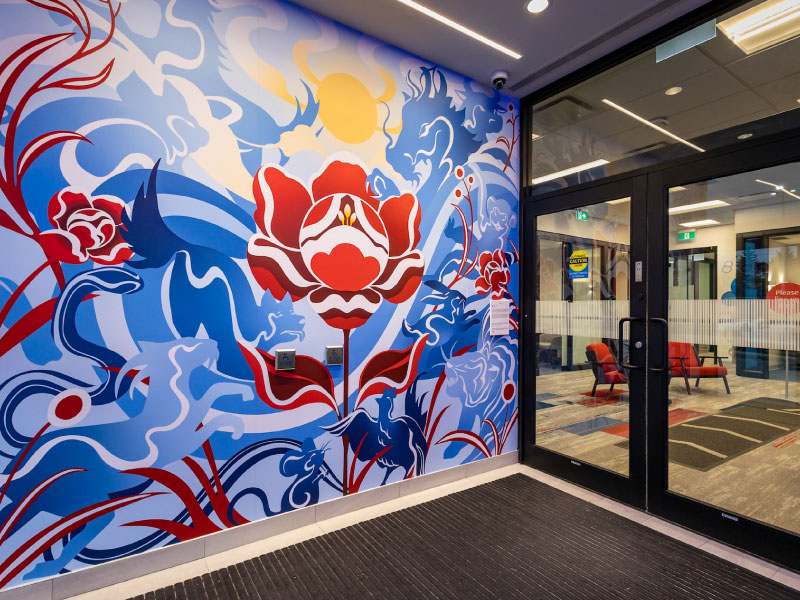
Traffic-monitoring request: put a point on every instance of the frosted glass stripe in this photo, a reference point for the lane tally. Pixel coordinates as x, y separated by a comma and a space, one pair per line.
748, 323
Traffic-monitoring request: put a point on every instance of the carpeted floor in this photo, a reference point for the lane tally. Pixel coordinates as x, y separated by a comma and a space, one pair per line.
511, 538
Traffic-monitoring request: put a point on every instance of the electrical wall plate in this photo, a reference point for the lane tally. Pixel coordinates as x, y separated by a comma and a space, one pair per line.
334, 355
284, 360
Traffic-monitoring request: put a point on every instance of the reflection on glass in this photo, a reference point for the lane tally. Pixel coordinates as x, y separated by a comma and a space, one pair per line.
581, 293
734, 342
645, 111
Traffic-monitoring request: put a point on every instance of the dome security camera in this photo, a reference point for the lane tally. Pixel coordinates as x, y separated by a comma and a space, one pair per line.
499, 79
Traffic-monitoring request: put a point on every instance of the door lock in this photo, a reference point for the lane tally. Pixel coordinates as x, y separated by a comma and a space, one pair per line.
638, 345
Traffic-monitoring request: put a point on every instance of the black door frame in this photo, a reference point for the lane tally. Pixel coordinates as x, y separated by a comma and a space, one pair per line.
751, 535
630, 489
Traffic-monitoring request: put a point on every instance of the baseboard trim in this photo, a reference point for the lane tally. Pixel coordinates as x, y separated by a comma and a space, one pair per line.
101, 576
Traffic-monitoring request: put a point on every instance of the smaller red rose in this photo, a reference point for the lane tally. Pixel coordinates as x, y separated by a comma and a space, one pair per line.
86, 228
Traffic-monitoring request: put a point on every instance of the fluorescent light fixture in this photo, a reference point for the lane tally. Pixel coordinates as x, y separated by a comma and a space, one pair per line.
675, 210
677, 188
702, 223
744, 136
570, 171
535, 136
458, 27
620, 201
674, 90
764, 25
537, 6
649, 124
778, 188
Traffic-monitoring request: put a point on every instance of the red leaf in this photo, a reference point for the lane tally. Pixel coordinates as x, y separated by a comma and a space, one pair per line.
495, 433
468, 437
83, 83
30, 550
30, 322
309, 383
41, 144
372, 461
391, 368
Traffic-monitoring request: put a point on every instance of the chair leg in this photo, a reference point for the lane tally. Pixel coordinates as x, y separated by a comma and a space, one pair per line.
612, 389
697, 383
594, 387
727, 388
686, 380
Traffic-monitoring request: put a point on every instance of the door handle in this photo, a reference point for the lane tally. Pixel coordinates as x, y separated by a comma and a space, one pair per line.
619, 342
665, 366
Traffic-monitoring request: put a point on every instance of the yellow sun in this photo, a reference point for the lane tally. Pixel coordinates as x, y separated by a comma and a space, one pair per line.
346, 108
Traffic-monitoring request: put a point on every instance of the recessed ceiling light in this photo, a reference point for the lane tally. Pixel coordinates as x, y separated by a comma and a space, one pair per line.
649, 124
458, 27
674, 90
744, 136
702, 223
778, 188
570, 171
698, 206
537, 6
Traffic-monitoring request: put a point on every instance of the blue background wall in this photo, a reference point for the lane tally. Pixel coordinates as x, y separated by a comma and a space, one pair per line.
188, 186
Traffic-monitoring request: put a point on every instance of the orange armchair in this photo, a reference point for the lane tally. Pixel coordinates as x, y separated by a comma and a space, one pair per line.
604, 366
683, 362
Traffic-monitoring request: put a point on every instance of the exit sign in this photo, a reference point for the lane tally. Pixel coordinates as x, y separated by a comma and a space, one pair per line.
685, 236
582, 215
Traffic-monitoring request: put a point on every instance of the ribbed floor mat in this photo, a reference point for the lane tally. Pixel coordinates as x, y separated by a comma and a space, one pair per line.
512, 538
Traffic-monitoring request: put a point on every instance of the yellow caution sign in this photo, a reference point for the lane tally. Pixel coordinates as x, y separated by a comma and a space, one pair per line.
579, 265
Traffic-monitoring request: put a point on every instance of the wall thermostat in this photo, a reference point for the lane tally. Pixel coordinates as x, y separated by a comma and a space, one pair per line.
284, 360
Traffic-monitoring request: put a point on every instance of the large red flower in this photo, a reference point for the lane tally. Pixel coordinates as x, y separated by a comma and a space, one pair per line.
86, 228
337, 244
494, 275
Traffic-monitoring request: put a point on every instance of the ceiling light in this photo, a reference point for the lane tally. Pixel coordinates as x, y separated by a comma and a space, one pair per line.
744, 136
702, 223
674, 90
764, 25
649, 124
778, 188
537, 6
677, 188
698, 206
620, 201
535, 136
570, 171
458, 27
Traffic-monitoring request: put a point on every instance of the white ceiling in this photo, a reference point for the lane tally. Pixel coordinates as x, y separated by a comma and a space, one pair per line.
568, 35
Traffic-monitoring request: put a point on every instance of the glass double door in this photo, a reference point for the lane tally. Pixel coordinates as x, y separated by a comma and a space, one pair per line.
586, 330
662, 345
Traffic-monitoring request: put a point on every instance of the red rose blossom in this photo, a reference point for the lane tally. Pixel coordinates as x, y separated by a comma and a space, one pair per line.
86, 228
494, 275
338, 245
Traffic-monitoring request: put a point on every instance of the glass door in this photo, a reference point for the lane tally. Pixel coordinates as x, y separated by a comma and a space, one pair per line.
586, 348
724, 350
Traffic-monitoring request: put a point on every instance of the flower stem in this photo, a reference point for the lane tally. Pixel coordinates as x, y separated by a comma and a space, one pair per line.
345, 411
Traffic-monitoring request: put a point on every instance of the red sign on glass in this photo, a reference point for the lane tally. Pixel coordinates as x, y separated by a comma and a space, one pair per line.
785, 291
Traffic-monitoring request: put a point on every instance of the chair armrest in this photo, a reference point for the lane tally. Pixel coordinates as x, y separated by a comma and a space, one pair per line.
711, 356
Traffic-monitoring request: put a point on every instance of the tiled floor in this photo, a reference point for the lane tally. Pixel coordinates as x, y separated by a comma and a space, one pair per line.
225, 559
760, 483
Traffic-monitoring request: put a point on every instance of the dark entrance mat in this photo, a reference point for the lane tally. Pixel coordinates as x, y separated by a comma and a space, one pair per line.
710, 441
511, 538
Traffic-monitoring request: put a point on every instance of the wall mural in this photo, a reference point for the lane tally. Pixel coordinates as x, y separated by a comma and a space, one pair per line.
188, 186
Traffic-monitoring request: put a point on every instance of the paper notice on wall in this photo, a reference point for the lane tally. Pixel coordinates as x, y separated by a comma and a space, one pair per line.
499, 311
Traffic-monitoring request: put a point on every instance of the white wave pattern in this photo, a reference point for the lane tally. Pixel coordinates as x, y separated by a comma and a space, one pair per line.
104, 453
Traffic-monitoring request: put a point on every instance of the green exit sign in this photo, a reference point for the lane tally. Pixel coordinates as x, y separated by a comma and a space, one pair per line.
685, 236
582, 215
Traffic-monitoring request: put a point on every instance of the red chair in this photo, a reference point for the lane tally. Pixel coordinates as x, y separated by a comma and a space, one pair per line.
683, 363
604, 366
